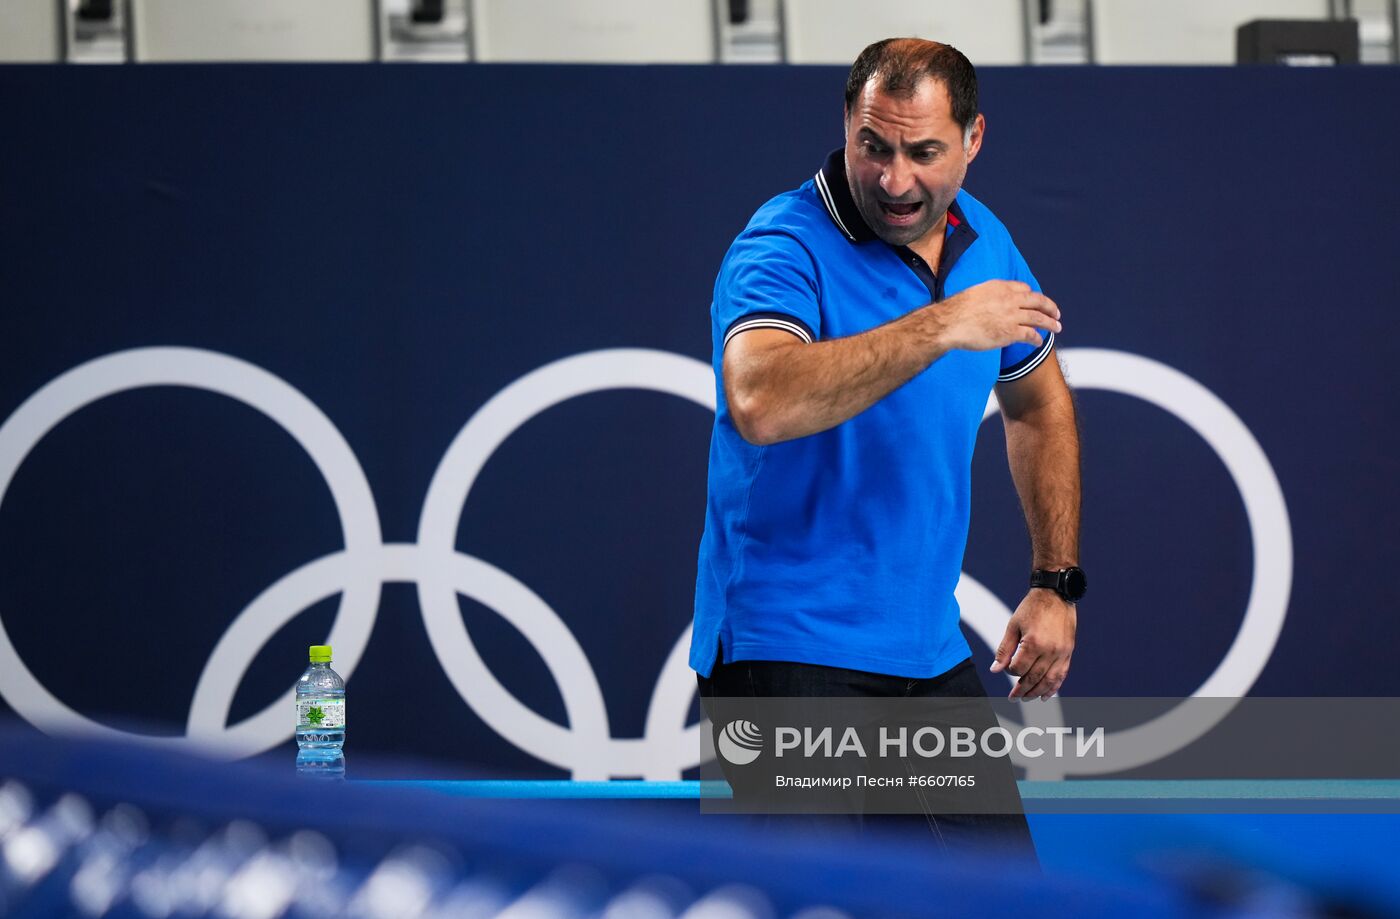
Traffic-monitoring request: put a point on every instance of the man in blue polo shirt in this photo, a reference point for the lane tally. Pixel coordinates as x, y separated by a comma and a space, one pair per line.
859, 324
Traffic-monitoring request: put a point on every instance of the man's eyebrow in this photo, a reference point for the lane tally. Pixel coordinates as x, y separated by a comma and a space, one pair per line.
915, 145
873, 136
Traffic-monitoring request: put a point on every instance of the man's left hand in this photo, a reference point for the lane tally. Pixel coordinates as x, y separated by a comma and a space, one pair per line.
1037, 645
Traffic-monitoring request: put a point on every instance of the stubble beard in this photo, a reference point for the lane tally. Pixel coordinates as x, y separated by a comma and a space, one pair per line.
869, 207
898, 236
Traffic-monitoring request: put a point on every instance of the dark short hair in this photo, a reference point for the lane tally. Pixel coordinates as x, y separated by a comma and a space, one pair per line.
901, 64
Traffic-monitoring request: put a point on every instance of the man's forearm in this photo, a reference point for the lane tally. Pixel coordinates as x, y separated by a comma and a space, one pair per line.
1042, 447
787, 392
778, 389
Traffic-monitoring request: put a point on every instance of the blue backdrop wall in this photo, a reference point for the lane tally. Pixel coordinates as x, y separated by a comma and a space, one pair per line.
246, 312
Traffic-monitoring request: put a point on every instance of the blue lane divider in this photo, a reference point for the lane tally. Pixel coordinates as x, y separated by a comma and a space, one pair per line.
1211, 789
546, 788
1101, 789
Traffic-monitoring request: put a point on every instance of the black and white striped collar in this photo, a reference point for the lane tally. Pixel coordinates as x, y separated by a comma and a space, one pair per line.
835, 193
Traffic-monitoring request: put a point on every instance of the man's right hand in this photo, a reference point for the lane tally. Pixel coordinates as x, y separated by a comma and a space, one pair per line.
994, 314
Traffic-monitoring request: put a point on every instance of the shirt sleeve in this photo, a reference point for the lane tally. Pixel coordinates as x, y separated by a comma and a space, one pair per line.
1019, 359
768, 281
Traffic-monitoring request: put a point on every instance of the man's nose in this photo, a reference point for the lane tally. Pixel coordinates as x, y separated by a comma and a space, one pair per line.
897, 179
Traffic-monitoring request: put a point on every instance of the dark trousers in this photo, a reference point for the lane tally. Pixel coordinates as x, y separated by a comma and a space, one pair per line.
1007, 834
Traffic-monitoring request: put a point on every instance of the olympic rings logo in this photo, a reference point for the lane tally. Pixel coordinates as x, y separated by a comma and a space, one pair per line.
585, 747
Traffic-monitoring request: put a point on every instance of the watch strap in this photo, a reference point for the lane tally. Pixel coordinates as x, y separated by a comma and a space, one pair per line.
1069, 583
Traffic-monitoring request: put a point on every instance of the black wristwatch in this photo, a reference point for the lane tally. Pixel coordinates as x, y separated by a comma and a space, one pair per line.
1069, 583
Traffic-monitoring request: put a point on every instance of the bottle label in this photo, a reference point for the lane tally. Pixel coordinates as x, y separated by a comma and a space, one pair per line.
320, 713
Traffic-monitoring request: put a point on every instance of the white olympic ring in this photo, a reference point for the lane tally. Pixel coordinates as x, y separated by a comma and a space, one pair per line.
1270, 530
273, 397
585, 747
600, 754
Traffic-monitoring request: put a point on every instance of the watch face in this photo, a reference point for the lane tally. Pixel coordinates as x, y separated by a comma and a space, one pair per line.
1075, 583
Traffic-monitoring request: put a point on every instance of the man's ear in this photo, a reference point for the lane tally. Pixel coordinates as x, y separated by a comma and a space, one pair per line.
974, 137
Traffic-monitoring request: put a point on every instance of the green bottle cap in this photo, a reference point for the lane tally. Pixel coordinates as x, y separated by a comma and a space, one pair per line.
320, 654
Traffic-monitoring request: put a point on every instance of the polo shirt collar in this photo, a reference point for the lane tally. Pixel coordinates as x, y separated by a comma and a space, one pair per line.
835, 193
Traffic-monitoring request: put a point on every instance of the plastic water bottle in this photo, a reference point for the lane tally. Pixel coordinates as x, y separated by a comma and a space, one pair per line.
320, 717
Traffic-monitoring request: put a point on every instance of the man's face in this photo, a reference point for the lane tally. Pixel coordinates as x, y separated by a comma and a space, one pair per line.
905, 160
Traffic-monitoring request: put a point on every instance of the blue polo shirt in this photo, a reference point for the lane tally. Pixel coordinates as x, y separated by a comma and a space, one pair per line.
843, 548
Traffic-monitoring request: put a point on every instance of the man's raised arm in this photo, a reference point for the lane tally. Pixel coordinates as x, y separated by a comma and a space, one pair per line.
780, 388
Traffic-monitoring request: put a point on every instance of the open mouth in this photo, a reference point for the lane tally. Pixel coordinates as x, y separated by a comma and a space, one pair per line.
900, 213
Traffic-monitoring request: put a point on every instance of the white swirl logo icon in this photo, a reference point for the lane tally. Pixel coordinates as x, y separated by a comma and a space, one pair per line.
740, 742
